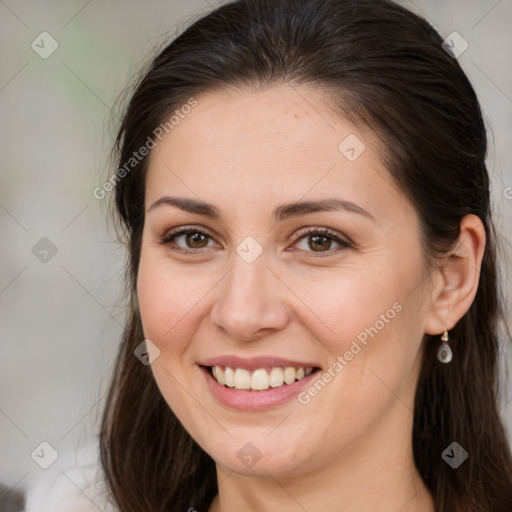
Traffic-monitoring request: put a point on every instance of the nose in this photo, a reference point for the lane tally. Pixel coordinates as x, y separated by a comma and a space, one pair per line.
251, 302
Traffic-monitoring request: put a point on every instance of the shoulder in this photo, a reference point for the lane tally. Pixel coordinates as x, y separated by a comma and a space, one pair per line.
74, 483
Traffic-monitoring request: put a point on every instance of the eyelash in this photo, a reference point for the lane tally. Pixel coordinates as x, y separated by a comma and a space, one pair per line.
167, 240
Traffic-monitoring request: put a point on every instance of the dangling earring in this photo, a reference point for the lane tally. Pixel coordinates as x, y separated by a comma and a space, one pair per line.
444, 354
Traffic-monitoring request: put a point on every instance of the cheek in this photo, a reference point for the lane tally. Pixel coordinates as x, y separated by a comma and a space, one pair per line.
370, 318
165, 302
167, 314
356, 305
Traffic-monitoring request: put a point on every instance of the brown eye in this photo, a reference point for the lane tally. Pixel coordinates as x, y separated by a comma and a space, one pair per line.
187, 240
319, 242
196, 240
316, 240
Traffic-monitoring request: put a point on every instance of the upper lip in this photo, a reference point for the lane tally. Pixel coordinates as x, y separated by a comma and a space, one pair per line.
256, 362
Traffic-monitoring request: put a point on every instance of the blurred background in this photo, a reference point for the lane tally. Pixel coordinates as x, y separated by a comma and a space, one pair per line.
63, 66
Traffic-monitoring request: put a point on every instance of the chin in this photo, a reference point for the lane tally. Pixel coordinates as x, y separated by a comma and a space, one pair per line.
257, 454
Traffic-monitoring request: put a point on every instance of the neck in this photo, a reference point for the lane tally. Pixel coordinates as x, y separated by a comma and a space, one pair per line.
385, 487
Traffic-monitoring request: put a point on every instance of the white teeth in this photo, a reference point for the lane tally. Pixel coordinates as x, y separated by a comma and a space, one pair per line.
276, 377
242, 379
219, 375
229, 376
289, 374
260, 379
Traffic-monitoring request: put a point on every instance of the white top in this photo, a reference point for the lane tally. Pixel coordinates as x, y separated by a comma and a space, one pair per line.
74, 485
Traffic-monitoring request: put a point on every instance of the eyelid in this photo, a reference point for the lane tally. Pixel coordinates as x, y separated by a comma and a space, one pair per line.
323, 231
181, 230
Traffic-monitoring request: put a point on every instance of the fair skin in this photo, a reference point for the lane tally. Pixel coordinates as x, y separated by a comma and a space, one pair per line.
246, 153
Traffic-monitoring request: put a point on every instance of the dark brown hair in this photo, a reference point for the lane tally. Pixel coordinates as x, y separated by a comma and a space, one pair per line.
385, 67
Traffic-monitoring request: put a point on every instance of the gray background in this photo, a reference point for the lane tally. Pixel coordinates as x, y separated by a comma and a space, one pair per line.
61, 319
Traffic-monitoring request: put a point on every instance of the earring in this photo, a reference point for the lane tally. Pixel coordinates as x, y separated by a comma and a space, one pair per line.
444, 354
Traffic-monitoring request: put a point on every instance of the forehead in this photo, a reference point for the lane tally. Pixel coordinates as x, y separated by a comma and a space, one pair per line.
293, 117
251, 143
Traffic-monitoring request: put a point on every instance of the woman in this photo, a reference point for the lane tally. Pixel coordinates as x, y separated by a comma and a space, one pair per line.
314, 295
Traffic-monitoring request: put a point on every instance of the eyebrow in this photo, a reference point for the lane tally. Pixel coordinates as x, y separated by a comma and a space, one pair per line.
281, 213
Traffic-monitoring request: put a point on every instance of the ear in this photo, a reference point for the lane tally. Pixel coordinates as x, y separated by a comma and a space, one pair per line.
457, 278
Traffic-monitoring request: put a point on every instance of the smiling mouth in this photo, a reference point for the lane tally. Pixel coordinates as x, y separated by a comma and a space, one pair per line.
259, 379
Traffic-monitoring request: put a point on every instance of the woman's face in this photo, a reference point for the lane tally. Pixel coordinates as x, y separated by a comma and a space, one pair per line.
306, 257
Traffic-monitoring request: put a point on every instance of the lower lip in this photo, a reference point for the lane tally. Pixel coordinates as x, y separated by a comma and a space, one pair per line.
255, 400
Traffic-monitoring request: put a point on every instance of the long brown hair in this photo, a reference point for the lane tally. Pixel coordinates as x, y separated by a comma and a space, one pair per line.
385, 67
